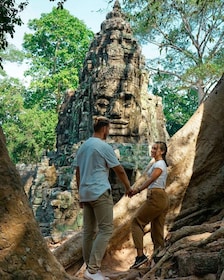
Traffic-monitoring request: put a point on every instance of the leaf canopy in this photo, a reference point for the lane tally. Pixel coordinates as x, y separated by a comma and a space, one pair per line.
189, 35
56, 49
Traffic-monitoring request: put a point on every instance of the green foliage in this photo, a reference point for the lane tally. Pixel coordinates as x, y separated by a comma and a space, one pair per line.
9, 14
56, 49
31, 135
177, 107
10, 17
11, 101
28, 132
189, 35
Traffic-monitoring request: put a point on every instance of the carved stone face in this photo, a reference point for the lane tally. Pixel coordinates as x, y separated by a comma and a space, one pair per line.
123, 110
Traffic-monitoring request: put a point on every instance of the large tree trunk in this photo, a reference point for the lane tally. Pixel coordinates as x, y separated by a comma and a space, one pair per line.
23, 251
195, 187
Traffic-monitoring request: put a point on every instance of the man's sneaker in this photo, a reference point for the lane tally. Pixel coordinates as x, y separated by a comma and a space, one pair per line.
139, 261
95, 276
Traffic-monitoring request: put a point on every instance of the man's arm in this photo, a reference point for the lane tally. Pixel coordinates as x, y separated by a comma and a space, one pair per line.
121, 174
77, 174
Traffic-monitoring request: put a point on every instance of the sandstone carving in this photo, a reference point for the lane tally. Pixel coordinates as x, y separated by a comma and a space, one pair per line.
114, 83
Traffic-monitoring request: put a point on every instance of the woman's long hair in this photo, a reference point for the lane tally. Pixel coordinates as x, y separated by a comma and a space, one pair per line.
163, 148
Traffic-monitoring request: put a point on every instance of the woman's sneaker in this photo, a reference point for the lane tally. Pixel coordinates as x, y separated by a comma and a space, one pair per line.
95, 276
139, 261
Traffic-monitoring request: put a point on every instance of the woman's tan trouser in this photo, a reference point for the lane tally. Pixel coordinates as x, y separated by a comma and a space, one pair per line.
153, 210
98, 227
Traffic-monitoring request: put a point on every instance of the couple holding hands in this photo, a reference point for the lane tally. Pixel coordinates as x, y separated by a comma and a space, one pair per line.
94, 159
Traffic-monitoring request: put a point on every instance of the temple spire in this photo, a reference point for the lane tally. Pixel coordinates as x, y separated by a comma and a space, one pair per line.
117, 5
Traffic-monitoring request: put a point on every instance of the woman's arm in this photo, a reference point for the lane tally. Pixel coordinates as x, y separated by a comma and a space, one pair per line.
155, 174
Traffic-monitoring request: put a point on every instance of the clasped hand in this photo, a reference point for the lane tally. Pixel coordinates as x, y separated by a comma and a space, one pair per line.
131, 192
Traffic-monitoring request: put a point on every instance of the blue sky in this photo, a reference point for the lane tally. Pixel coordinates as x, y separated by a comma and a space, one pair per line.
92, 12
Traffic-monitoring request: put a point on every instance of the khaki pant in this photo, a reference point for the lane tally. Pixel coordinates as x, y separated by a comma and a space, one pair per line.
153, 210
98, 227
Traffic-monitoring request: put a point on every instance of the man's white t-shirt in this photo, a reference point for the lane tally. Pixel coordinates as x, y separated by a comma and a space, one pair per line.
95, 157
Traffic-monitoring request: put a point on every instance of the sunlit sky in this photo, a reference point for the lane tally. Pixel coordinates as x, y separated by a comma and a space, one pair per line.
92, 12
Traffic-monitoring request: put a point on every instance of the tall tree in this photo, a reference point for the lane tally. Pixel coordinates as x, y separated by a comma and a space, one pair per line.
10, 17
56, 49
9, 14
189, 35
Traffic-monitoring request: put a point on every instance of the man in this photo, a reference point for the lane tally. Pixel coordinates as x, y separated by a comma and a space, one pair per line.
94, 159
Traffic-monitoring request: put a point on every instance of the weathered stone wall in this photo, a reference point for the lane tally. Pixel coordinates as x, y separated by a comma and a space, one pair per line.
53, 196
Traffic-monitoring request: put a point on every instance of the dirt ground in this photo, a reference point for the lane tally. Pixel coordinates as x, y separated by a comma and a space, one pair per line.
117, 266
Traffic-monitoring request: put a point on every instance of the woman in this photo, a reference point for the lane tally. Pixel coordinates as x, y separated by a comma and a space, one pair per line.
155, 208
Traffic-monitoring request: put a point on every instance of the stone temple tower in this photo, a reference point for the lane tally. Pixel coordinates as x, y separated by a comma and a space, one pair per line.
114, 84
